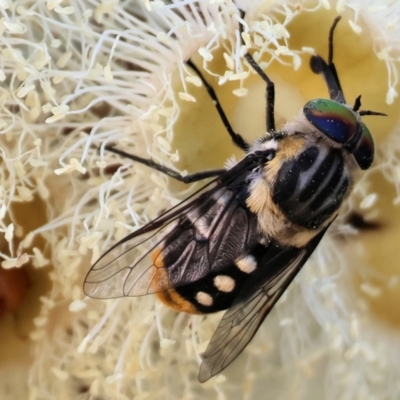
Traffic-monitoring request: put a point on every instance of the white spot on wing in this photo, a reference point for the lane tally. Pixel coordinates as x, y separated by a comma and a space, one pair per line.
203, 229
204, 299
224, 283
205, 224
200, 223
247, 264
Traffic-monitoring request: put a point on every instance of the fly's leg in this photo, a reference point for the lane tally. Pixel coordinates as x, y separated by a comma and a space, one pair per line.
270, 89
236, 138
328, 70
198, 176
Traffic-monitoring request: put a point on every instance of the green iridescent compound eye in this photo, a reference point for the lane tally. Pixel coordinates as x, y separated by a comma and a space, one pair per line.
364, 151
339, 123
333, 119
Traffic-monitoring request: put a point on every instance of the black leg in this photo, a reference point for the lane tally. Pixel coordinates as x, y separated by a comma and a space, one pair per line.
167, 171
330, 39
270, 90
330, 54
328, 70
236, 138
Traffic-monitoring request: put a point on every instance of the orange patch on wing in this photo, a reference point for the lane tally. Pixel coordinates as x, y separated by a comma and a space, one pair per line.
169, 297
173, 299
157, 258
159, 281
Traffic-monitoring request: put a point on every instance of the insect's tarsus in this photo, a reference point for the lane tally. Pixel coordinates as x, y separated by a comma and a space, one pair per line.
198, 176
328, 70
330, 54
330, 40
270, 89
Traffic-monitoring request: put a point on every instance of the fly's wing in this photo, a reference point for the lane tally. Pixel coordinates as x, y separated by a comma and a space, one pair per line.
277, 268
204, 233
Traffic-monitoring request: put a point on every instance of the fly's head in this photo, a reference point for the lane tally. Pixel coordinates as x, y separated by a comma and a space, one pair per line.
343, 128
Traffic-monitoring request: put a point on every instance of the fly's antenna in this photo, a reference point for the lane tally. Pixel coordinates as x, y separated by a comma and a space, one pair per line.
357, 105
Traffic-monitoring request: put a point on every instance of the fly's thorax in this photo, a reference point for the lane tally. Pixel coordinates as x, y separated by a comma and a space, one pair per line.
298, 193
272, 222
311, 187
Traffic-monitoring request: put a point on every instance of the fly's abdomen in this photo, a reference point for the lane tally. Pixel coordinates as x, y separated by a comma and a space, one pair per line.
311, 187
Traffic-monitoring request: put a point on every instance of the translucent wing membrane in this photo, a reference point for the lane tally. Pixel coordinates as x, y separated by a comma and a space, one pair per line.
277, 268
182, 245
